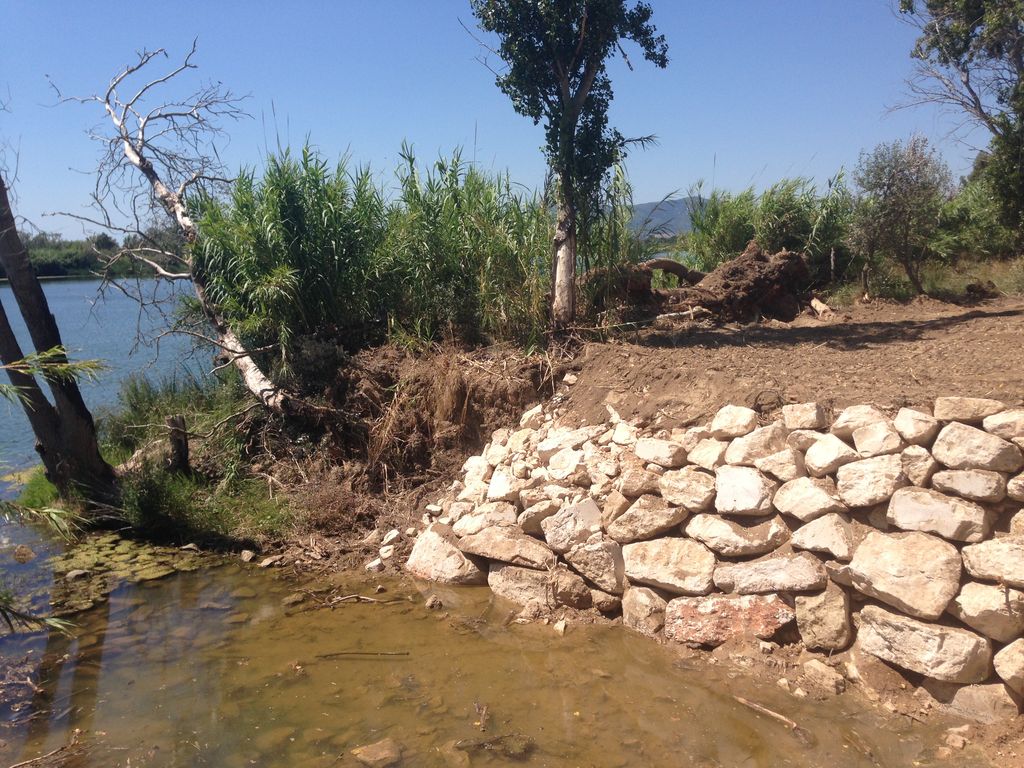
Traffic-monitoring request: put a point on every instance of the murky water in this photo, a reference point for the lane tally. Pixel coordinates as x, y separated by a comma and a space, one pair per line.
213, 668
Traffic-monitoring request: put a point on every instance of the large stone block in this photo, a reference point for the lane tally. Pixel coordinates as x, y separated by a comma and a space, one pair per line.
647, 517
993, 610
709, 454
830, 534
680, 566
664, 453
785, 573
872, 481
733, 421
877, 439
959, 446
918, 465
823, 619
762, 442
922, 509
436, 557
804, 416
1008, 425
688, 488
715, 619
733, 538
943, 653
510, 545
828, 454
743, 491
1000, 560
550, 588
974, 484
600, 561
808, 498
786, 465
916, 427
855, 417
571, 525
1009, 664
915, 572
971, 410
484, 516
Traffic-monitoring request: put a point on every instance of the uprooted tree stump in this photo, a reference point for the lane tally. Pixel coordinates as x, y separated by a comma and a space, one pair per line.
752, 285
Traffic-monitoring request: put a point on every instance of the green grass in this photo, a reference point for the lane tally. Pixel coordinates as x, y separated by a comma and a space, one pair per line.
37, 492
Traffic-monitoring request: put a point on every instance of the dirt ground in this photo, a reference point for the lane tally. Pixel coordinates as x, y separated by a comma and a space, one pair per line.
882, 353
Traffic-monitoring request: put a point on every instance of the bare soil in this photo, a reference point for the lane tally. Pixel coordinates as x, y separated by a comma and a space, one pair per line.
889, 354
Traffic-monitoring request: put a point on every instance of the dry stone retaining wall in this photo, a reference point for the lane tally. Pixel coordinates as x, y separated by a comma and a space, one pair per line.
901, 534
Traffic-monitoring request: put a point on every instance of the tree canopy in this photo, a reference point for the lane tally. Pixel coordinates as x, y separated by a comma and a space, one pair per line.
556, 54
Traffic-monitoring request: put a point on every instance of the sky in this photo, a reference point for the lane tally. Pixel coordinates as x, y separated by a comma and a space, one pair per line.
755, 90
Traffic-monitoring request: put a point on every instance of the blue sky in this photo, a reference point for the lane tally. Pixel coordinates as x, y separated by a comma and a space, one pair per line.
755, 90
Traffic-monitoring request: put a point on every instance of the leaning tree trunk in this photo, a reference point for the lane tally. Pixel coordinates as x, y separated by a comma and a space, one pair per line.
256, 381
563, 283
65, 431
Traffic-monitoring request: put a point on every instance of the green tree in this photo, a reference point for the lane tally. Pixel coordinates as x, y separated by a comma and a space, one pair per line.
556, 54
971, 55
901, 192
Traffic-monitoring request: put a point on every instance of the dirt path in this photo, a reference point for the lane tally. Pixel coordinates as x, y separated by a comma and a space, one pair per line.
888, 354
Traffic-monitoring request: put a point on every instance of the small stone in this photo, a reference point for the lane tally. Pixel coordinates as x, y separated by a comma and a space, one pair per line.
802, 439
433, 603
830, 534
664, 453
709, 454
743, 491
1008, 425
823, 677
872, 481
961, 447
381, 754
994, 611
987, 703
374, 565
943, 653
784, 466
647, 517
715, 619
1009, 663
877, 439
680, 566
624, 434
808, 498
787, 573
477, 470
916, 427
75, 573
614, 505
1000, 560
295, 598
827, 455
634, 480
762, 442
804, 416
386, 553
643, 611
532, 517
855, 417
504, 486
733, 538
267, 562
914, 572
733, 421
533, 418
922, 509
918, 465
971, 410
561, 626
973, 484
247, 555
823, 619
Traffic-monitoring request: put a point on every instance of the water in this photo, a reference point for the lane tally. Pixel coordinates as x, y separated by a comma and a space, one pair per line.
212, 669
105, 328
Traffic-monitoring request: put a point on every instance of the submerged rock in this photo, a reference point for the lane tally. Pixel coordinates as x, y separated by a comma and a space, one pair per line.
715, 619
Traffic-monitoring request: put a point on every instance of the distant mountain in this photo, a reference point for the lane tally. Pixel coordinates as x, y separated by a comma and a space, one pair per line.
670, 217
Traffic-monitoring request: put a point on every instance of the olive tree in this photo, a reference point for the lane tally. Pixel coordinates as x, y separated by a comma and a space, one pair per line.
901, 190
555, 54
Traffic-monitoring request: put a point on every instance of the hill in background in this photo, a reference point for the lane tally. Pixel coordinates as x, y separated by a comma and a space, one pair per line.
669, 217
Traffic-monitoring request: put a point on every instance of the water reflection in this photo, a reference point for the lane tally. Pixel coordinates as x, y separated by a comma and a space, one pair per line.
214, 669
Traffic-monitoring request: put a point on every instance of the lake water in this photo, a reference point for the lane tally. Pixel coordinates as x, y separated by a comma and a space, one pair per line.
107, 328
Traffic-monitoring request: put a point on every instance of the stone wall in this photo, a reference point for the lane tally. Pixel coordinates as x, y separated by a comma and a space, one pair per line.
899, 533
